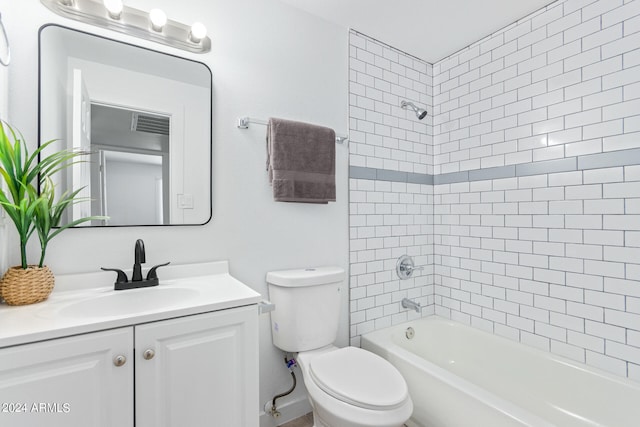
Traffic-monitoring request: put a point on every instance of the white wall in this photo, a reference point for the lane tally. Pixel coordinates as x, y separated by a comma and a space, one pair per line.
268, 59
4, 115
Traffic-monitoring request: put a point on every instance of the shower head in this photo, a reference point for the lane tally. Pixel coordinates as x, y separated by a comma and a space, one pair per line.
421, 113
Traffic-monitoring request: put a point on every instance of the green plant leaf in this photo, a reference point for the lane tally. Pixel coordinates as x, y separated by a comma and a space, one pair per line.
29, 210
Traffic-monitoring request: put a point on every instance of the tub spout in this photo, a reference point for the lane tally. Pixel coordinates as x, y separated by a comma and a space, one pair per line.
407, 303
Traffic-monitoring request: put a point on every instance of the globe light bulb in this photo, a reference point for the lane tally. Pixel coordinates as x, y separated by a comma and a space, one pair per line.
158, 19
198, 32
114, 8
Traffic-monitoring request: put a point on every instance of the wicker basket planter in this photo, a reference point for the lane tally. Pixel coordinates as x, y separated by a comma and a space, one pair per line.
26, 286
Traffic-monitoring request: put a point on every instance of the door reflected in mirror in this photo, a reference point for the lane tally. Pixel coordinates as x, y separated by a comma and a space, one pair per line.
131, 150
144, 117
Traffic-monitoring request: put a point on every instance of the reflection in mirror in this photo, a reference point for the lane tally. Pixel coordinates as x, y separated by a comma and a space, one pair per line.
131, 149
144, 116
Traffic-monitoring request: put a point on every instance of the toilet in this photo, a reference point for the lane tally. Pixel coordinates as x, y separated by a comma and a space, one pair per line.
347, 387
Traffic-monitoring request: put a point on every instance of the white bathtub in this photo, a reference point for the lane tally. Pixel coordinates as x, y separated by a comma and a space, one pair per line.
459, 376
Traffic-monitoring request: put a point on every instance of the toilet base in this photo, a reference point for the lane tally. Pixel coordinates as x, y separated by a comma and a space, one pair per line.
320, 421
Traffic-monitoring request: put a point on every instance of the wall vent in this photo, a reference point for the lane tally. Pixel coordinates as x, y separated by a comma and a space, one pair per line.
149, 123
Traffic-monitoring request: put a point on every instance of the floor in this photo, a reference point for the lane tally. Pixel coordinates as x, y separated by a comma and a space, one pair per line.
303, 421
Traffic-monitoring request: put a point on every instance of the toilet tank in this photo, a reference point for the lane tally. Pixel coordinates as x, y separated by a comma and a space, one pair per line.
307, 307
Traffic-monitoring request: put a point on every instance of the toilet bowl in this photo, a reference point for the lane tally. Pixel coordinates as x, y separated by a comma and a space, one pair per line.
351, 387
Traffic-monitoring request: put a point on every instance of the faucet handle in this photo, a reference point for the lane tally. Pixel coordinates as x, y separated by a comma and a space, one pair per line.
152, 273
405, 267
122, 276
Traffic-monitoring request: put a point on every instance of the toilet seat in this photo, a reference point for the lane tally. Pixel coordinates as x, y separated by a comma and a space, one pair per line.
360, 378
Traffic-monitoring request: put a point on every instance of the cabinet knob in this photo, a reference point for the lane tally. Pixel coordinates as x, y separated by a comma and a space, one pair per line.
119, 360
148, 354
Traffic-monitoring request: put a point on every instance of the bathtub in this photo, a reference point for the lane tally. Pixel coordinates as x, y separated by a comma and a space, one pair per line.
459, 376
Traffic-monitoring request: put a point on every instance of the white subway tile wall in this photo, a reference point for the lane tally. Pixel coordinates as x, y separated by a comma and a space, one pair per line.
551, 259
388, 218
536, 211
560, 83
383, 135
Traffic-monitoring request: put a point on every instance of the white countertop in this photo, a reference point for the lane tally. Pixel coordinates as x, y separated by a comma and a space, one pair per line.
76, 310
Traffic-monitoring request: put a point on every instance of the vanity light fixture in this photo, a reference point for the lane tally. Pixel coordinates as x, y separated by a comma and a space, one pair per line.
153, 25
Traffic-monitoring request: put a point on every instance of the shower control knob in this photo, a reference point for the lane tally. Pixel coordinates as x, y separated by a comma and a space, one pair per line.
148, 354
405, 267
119, 360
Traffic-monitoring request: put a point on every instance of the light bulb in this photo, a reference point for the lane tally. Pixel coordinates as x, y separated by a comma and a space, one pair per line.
158, 19
114, 7
198, 32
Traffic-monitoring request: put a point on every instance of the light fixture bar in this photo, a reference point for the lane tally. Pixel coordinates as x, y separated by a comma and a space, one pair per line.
131, 21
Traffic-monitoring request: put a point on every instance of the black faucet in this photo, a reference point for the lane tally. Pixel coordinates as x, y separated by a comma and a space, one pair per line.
140, 258
137, 281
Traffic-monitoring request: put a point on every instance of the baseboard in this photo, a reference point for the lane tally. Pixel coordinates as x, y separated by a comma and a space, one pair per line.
288, 411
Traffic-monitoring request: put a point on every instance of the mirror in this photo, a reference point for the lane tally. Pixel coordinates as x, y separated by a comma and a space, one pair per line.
145, 117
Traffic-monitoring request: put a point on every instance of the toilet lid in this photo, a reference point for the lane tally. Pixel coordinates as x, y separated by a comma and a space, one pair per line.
359, 378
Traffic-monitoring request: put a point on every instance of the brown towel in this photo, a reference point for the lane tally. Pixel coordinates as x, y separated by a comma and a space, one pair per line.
301, 162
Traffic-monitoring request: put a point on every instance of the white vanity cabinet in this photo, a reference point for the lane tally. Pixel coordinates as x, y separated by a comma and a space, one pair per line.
191, 371
198, 370
69, 382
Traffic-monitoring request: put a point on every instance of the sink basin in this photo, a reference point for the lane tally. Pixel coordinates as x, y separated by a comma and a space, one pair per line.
122, 303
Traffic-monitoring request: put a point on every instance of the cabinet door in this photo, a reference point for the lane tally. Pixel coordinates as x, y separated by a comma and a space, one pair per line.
203, 371
68, 382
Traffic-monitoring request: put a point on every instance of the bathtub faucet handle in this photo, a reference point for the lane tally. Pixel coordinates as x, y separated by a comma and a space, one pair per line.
405, 267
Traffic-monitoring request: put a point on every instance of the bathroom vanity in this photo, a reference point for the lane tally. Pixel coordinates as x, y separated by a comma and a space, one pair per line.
183, 353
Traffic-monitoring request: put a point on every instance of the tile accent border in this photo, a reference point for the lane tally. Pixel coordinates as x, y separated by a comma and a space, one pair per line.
374, 174
567, 164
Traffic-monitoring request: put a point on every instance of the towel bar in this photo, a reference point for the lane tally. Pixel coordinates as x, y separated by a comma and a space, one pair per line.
243, 123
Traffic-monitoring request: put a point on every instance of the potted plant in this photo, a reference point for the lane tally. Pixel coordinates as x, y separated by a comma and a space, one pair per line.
32, 211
